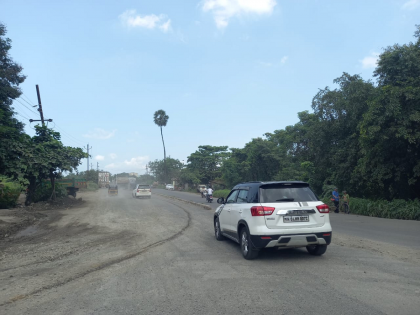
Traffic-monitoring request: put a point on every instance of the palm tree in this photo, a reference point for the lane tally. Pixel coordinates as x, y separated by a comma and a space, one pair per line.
161, 119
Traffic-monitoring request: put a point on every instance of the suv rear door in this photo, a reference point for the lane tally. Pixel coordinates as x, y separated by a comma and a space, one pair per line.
294, 206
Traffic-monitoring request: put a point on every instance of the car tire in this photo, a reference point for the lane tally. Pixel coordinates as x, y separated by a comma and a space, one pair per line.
316, 250
217, 231
247, 249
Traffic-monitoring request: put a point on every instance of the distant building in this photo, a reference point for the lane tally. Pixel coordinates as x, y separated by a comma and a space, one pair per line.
134, 174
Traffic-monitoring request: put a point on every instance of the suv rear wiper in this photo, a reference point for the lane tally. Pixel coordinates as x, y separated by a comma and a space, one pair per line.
286, 199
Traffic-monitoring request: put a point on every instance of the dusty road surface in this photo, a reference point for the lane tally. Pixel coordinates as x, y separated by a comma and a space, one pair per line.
120, 255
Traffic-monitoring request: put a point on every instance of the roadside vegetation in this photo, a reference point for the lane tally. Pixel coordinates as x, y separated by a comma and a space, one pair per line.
221, 193
360, 136
28, 160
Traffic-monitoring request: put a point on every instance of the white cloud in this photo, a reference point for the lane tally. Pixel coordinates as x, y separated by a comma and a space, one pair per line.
131, 19
111, 166
411, 5
137, 162
223, 10
166, 26
113, 156
99, 158
370, 61
99, 133
268, 64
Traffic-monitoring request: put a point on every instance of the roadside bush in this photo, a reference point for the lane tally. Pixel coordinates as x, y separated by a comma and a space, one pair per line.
395, 209
221, 193
9, 197
43, 193
92, 186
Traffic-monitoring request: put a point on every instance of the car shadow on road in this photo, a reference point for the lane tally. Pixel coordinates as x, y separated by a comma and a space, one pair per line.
284, 254
275, 253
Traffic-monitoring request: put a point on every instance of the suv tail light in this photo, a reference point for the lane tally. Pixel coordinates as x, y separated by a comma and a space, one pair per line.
323, 208
261, 211
138, 190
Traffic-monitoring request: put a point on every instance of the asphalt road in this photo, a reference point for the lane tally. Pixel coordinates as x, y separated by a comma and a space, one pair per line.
159, 256
397, 232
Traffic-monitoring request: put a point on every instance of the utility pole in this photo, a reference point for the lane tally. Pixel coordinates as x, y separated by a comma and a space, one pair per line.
40, 105
87, 148
147, 170
40, 109
97, 166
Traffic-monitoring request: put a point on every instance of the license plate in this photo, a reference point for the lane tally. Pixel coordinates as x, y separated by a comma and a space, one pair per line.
296, 218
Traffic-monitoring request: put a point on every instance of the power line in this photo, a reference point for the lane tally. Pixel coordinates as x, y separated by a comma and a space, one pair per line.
21, 115
67, 134
28, 98
26, 106
27, 101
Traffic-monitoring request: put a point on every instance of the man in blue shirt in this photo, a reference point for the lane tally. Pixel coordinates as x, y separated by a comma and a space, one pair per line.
336, 200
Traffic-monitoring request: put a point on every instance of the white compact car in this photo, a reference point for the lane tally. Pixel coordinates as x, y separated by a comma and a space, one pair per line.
169, 187
142, 191
260, 215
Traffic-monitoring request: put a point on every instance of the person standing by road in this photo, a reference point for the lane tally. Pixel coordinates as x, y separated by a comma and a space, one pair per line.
346, 202
336, 200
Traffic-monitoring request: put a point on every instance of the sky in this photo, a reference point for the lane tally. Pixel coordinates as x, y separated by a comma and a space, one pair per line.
225, 71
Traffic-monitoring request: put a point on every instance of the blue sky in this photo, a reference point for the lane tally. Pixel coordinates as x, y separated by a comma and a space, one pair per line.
225, 71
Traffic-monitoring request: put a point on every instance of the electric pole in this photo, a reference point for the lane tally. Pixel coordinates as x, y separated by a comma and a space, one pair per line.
40, 105
40, 109
87, 148
97, 166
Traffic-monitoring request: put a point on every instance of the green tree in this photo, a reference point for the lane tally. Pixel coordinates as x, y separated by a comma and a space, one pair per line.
161, 119
11, 129
47, 158
390, 129
164, 169
207, 161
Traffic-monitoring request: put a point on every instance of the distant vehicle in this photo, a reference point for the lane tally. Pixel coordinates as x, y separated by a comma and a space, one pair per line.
113, 189
169, 187
132, 181
72, 185
142, 191
103, 179
201, 188
260, 215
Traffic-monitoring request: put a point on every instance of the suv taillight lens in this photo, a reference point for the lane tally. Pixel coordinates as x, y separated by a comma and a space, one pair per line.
261, 211
138, 190
323, 208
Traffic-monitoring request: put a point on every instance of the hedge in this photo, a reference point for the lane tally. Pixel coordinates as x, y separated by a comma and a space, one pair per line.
395, 209
221, 193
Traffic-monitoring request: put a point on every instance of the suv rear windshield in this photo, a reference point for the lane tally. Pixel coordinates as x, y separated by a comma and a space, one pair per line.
286, 193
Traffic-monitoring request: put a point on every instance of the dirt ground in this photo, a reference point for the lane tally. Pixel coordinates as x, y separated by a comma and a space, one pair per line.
19, 218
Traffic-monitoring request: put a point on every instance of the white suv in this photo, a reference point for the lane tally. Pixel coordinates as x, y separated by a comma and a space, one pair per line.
261, 215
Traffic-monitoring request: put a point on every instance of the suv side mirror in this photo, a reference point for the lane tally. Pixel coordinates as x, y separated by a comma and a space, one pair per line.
221, 200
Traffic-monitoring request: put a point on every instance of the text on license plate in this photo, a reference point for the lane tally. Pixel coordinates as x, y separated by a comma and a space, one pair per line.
296, 218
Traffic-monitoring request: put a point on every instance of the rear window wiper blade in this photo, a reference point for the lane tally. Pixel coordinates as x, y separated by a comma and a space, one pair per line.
286, 199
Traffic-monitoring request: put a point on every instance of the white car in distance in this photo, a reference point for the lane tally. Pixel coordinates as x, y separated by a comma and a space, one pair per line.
142, 191
169, 187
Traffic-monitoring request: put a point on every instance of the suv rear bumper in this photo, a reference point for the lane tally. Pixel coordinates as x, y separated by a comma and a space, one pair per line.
291, 240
